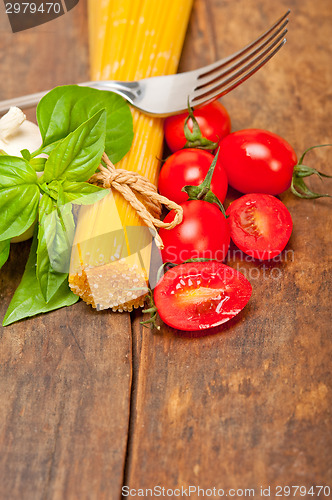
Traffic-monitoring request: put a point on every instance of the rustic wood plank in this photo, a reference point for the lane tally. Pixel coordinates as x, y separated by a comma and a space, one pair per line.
246, 406
65, 377
249, 405
64, 391
55, 53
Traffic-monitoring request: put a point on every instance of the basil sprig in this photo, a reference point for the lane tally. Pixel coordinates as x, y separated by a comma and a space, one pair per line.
19, 196
28, 299
54, 245
77, 156
65, 108
77, 125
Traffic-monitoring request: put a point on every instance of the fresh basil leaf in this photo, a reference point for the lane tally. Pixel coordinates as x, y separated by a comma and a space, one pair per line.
38, 164
55, 236
59, 248
49, 280
26, 154
4, 252
82, 193
19, 196
63, 110
28, 299
53, 189
78, 155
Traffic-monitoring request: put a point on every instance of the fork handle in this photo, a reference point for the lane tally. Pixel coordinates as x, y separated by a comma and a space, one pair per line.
128, 90
26, 101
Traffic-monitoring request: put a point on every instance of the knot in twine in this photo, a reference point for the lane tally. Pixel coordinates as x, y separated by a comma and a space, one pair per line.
140, 193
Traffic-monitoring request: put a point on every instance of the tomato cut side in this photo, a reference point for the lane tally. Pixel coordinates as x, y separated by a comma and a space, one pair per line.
201, 295
260, 225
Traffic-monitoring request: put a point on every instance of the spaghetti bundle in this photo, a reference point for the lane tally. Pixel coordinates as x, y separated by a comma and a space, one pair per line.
129, 40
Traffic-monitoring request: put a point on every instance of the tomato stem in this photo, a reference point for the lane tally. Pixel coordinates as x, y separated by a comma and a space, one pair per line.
203, 191
309, 149
195, 138
298, 186
153, 311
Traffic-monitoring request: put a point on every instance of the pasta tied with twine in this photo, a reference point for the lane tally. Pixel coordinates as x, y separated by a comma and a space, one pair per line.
140, 193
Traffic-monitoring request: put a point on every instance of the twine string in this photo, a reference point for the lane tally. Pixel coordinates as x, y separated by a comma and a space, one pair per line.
141, 194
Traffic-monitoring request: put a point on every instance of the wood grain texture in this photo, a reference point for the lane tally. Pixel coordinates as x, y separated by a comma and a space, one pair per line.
65, 377
243, 406
249, 405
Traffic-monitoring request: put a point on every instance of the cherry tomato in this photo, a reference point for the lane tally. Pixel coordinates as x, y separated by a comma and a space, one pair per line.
200, 295
257, 161
203, 233
213, 120
189, 167
260, 225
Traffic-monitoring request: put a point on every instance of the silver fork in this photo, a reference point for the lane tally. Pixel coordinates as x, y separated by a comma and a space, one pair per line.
168, 95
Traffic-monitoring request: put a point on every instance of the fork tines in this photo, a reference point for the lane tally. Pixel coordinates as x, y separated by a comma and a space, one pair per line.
220, 78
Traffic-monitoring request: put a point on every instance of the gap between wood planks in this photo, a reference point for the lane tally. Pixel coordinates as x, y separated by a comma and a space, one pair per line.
136, 343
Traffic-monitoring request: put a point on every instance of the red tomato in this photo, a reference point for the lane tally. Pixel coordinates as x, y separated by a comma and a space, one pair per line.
257, 161
213, 120
203, 233
260, 225
188, 167
200, 295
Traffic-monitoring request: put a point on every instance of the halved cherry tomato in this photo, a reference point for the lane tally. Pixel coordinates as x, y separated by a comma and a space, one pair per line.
203, 233
200, 295
189, 167
260, 225
257, 161
213, 120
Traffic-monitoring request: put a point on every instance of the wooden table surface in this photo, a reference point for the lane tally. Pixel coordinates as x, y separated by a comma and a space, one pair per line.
91, 401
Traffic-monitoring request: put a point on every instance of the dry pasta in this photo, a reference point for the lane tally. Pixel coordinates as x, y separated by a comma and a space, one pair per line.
129, 40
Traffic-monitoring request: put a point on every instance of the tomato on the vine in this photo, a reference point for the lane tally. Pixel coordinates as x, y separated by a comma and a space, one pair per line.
213, 120
200, 295
203, 233
190, 167
257, 161
260, 225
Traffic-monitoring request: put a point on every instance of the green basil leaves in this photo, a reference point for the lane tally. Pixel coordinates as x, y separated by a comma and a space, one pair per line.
77, 156
18, 182
81, 193
77, 125
28, 299
65, 108
54, 246
4, 252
